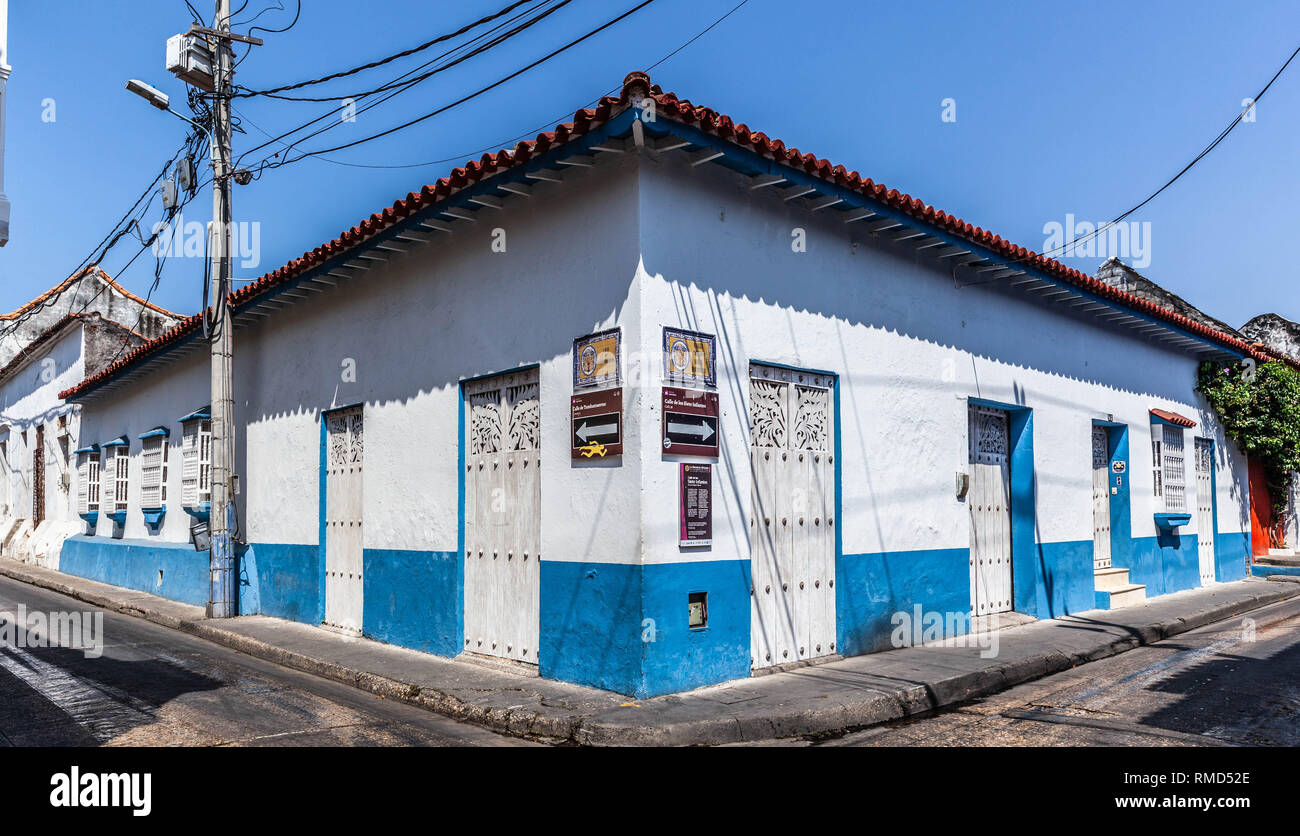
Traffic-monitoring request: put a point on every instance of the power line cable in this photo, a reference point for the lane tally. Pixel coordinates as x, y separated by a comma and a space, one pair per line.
411, 82
244, 92
1073, 244
473, 95
527, 134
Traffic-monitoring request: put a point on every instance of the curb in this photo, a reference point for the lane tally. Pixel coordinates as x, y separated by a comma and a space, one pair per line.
876, 707
871, 708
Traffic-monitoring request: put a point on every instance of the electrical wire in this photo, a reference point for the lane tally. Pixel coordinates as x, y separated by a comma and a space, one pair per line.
292, 23
417, 79
469, 96
527, 134
1071, 246
411, 82
475, 51
97, 254
243, 92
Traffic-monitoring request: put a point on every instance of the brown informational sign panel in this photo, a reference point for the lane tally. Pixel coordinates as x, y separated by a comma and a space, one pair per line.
690, 422
596, 419
697, 504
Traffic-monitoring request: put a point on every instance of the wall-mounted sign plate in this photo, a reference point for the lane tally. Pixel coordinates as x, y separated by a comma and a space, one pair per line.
1117, 466
689, 357
596, 359
596, 419
690, 422
696, 504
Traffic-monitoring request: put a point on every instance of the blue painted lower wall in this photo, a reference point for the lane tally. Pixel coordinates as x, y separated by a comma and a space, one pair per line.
415, 599
681, 658
591, 624
136, 564
1165, 563
1263, 571
1058, 581
1048, 581
281, 580
626, 628
870, 588
1231, 556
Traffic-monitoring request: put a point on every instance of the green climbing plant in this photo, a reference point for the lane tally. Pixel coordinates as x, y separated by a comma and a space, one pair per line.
1259, 408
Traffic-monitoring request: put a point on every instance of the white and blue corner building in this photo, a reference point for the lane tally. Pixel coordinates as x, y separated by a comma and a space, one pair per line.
907, 411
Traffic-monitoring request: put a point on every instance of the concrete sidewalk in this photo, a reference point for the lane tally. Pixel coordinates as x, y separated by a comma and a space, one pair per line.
830, 697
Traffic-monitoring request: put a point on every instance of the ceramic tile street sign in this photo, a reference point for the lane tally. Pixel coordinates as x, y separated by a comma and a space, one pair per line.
596, 359
689, 357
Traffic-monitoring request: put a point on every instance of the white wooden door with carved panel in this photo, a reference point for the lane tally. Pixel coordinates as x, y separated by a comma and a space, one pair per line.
344, 454
503, 516
990, 511
792, 520
1205, 507
1101, 558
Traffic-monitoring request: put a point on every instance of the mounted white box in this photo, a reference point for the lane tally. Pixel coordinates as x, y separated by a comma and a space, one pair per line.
190, 59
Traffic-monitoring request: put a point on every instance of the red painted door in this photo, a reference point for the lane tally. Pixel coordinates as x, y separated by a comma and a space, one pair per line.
1261, 510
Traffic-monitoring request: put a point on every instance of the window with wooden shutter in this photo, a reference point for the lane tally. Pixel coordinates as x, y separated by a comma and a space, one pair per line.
153, 472
196, 463
87, 481
117, 459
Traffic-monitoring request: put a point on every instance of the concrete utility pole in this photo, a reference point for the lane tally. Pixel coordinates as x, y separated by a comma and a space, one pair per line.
4, 80
221, 603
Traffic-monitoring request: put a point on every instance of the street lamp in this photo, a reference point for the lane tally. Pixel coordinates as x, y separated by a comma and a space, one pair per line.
158, 99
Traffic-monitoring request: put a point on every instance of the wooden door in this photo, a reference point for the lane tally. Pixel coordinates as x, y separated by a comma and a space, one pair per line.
990, 511
38, 478
1101, 557
344, 530
1204, 451
503, 516
792, 516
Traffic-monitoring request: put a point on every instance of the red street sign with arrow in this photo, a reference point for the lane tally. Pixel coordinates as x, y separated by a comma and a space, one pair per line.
690, 422
597, 422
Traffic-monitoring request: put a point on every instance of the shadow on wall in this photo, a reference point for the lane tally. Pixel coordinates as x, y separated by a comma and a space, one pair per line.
870, 283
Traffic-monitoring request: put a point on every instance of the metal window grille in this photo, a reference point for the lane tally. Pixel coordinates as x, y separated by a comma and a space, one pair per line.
1174, 472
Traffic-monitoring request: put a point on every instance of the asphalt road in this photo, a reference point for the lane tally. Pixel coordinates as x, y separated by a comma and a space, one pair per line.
1215, 686
154, 686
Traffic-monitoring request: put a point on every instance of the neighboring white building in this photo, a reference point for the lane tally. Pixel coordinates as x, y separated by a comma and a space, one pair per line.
88, 291
910, 412
4, 81
38, 431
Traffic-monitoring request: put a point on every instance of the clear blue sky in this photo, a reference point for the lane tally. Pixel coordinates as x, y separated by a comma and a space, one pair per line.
1061, 108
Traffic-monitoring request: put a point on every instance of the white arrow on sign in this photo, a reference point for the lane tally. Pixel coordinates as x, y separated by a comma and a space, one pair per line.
703, 430
585, 432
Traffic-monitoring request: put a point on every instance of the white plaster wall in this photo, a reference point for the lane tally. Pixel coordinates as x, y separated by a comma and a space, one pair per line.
158, 399
413, 328
909, 348
29, 398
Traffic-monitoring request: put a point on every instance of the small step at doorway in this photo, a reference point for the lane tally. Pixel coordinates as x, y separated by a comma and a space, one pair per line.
1113, 589
1279, 557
